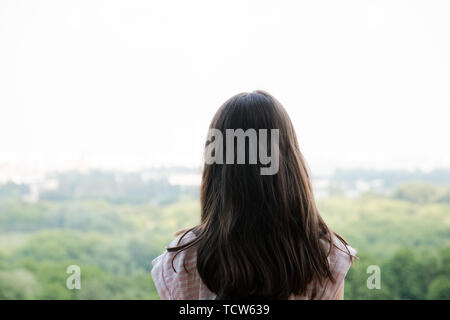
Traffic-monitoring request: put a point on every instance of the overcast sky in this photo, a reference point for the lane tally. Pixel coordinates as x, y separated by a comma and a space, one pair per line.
135, 83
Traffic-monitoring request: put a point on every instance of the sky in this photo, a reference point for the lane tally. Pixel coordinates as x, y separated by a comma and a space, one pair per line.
132, 84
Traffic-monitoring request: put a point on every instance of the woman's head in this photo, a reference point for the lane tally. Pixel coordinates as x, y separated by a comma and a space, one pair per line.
260, 234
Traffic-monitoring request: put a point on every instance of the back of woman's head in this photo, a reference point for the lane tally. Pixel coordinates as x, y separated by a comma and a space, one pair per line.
260, 234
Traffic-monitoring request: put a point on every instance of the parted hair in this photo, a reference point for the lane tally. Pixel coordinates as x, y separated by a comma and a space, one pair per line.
259, 236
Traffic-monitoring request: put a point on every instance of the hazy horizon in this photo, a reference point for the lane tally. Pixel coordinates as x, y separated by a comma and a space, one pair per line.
135, 84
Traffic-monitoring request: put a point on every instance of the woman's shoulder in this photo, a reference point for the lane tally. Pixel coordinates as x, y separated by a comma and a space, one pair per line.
176, 277
340, 259
341, 251
173, 258
182, 237
175, 273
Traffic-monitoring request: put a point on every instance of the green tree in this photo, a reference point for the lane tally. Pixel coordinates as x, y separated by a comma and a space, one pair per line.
18, 285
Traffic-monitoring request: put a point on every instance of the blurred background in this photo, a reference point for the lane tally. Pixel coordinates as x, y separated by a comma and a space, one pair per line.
105, 105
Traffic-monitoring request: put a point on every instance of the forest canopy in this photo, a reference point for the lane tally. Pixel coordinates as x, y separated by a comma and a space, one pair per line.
112, 225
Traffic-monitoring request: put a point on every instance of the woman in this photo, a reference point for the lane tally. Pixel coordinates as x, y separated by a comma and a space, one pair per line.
261, 235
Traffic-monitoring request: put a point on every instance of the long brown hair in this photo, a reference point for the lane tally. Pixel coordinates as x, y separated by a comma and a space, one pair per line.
260, 235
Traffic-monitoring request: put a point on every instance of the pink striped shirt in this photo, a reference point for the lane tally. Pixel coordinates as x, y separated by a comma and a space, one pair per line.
182, 285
